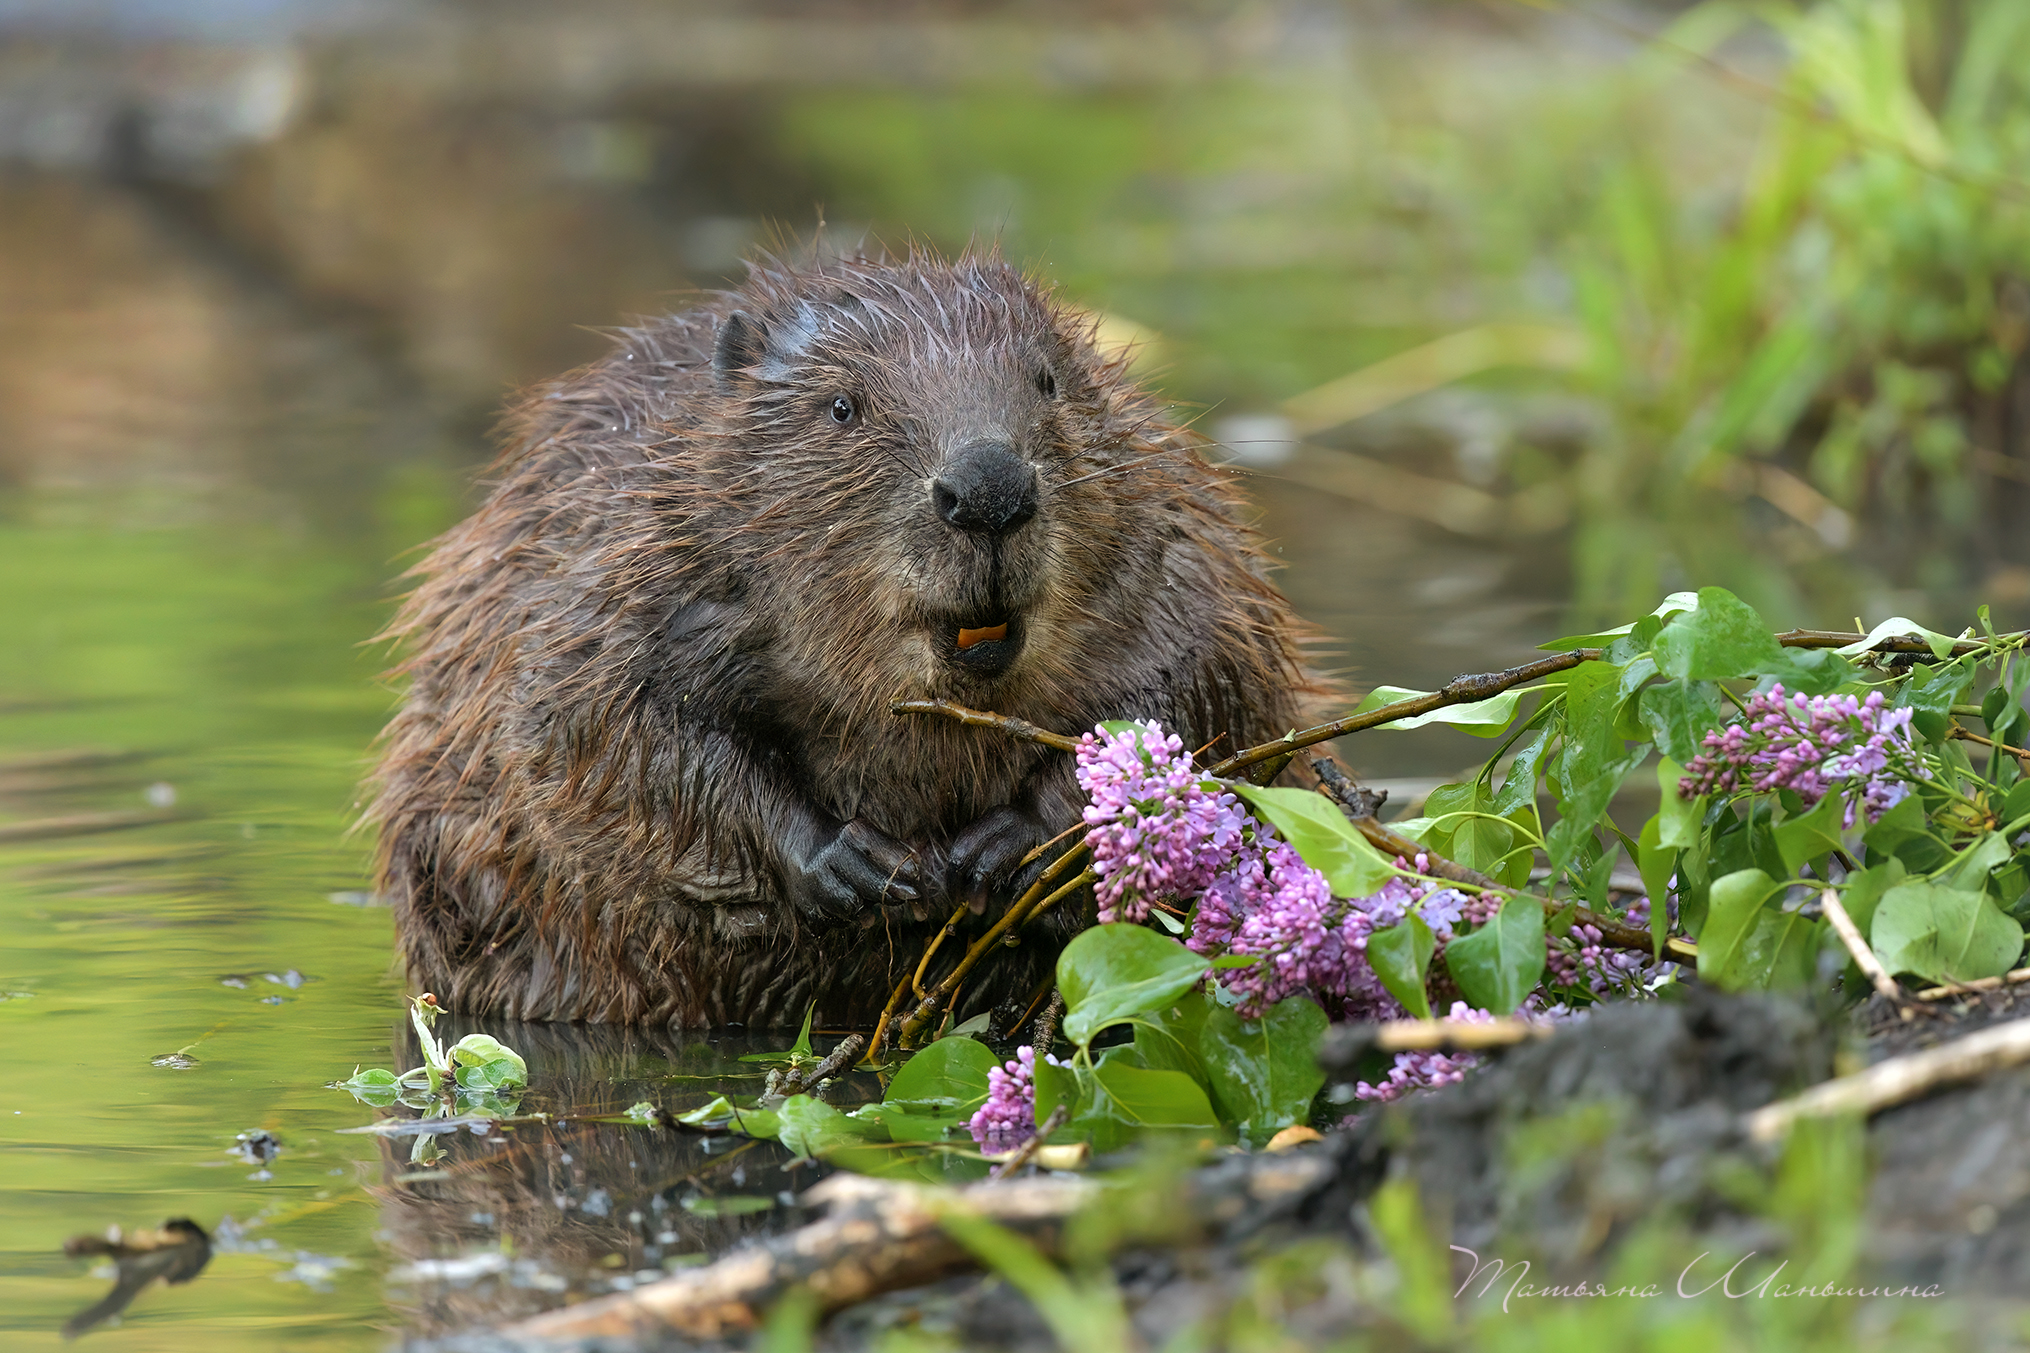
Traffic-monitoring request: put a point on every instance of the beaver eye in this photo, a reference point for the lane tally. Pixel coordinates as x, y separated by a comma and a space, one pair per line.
1047, 383
842, 411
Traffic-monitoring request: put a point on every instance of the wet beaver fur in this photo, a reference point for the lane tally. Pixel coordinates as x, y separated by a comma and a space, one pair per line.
645, 769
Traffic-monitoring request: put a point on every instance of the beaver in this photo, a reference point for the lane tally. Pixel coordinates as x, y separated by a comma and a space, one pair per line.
645, 769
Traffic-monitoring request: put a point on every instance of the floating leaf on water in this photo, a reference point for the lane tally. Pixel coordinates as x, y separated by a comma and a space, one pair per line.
730, 1205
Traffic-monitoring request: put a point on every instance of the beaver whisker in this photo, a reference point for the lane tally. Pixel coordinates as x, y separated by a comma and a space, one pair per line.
1113, 469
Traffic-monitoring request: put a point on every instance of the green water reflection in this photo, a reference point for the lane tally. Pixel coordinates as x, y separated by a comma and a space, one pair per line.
225, 664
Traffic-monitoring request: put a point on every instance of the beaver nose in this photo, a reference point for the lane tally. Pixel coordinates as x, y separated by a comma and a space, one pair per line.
985, 488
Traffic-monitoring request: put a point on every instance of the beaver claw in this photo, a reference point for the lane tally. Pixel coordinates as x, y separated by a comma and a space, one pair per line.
986, 857
855, 869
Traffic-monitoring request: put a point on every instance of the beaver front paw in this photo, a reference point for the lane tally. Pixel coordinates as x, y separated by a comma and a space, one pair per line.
986, 858
856, 868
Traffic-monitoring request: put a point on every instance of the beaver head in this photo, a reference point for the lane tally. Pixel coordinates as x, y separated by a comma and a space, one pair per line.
923, 461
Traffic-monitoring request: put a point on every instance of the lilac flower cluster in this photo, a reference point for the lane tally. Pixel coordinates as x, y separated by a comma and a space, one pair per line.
1579, 959
1813, 747
1424, 1070
1282, 909
1157, 832
1154, 828
1008, 1118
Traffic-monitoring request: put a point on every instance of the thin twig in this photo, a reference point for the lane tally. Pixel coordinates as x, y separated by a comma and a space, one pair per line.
2007, 979
950, 927
874, 1043
1026, 1152
1899, 1079
1020, 729
1458, 691
1864, 957
1033, 855
1014, 916
1957, 733
1612, 932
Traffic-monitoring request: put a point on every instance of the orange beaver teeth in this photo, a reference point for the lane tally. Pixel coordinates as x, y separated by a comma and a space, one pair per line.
967, 638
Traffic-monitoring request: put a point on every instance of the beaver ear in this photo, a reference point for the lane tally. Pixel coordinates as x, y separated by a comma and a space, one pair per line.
742, 343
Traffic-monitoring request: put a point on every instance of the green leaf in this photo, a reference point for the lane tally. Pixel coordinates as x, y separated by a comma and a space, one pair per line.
1169, 1039
1930, 694
1137, 1099
1519, 789
722, 1112
1679, 820
1943, 934
1498, 964
1264, 1073
1779, 954
1801, 840
1721, 640
799, 1051
1679, 714
1656, 862
1057, 1085
1319, 831
1471, 834
1725, 639
952, 1071
1111, 973
1896, 627
1401, 957
1862, 892
1675, 603
482, 1050
1971, 869
1905, 832
907, 1123
1482, 718
1584, 806
1733, 906
811, 1127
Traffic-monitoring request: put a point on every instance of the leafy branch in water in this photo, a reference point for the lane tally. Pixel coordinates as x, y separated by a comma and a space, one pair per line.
476, 1071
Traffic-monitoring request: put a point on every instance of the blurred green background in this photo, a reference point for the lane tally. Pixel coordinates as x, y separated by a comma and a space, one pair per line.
1515, 317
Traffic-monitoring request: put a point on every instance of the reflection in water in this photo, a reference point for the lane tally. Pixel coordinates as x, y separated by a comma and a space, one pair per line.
493, 1222
175, 1253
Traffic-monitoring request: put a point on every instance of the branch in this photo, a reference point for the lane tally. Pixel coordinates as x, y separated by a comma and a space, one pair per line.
879, 1237
1020, 729
1458, 691
1612, 932
1959, 734
1899, 1079
792, 1081
1026, 1152
2007, 979
1345, 1044
1863, 956
1030, 903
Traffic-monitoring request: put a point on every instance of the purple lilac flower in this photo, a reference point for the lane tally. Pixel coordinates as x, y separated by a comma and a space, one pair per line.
1283, 909
1814, 747
1008, 1118
1154, 829
1579, 959
1424, 1070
